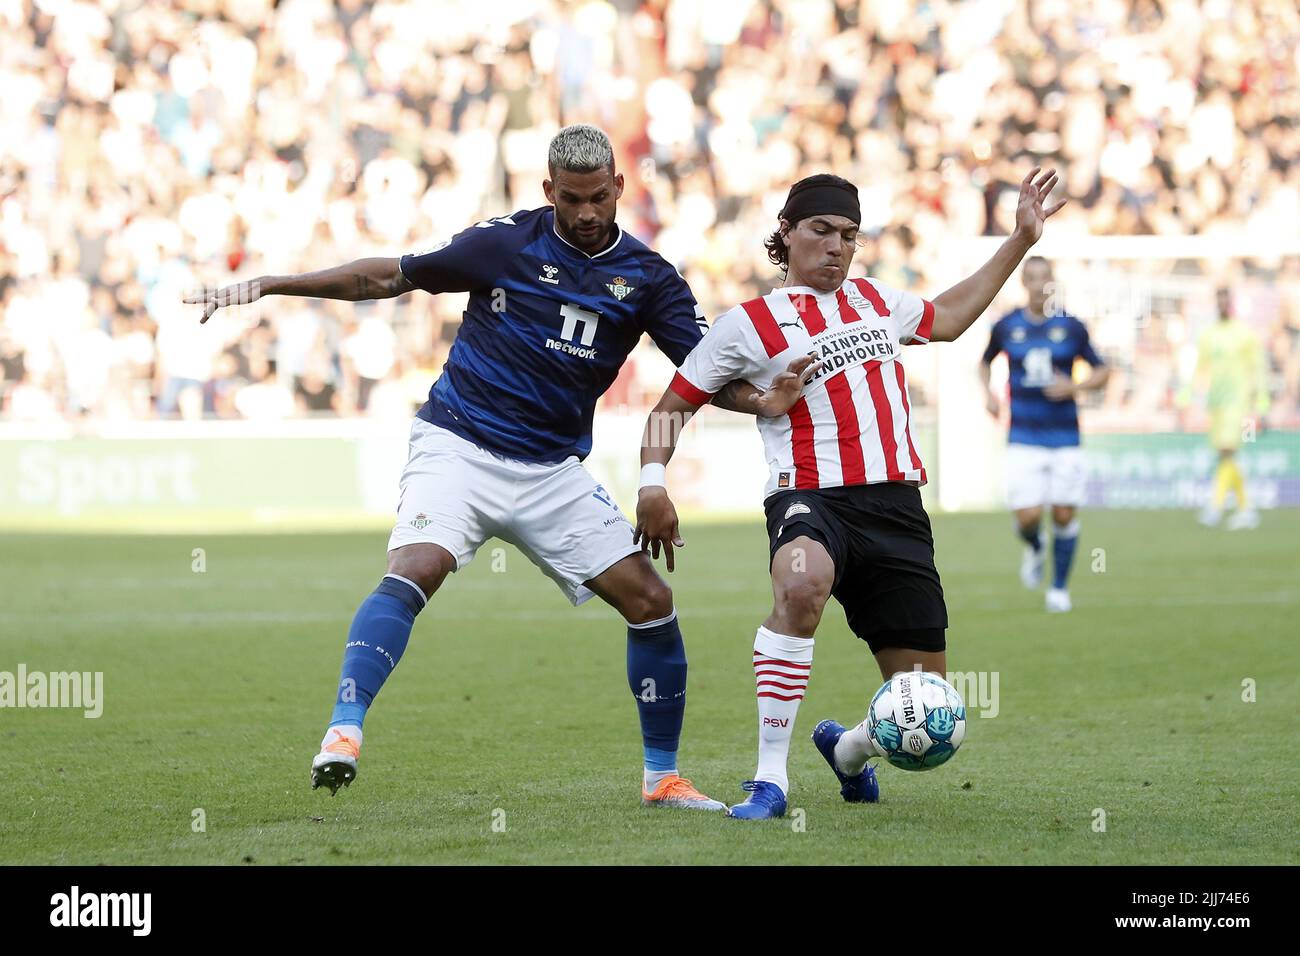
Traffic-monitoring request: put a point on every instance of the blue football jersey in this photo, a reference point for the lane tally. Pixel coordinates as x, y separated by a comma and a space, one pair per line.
1036, 353
546, 329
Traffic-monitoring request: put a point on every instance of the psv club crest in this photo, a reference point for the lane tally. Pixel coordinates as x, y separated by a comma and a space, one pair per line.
620, 288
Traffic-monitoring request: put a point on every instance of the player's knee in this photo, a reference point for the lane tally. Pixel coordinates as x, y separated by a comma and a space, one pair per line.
653, 601
425, 564
800, 601
1029, 517
1062, 514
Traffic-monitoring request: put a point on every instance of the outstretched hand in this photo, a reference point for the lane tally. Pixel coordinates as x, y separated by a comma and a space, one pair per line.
785, 389
241, 293
1030, 212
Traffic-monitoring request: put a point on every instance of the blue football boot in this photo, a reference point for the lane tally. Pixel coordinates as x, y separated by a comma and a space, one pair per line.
765, 802
860, 789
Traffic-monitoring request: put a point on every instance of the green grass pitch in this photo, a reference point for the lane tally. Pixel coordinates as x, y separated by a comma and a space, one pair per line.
507, 734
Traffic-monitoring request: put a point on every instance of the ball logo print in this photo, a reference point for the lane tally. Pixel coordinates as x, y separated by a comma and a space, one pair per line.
917, 720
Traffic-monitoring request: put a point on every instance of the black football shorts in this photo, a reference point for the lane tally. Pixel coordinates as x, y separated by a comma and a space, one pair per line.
879, 537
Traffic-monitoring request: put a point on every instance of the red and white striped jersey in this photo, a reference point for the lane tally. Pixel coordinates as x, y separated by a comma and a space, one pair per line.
851, 426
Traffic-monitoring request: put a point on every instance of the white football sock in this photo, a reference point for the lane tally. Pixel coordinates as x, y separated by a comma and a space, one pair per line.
853, 749
652, 778
781, 667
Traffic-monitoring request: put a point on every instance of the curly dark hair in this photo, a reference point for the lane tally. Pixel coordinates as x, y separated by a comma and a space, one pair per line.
776, 249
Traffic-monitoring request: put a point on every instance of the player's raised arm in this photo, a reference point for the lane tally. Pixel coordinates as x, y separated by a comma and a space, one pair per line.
957, 309
354, 281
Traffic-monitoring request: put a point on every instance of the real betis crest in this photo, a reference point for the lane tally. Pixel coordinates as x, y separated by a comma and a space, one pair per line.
620, 288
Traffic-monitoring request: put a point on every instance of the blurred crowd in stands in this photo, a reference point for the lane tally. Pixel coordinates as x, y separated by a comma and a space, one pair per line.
149, 147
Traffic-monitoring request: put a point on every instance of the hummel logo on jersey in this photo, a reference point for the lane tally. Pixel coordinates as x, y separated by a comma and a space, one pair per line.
551, 272
798, 508
620, 288
1056, 334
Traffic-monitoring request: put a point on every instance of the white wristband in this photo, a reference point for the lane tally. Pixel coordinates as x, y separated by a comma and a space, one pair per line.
654, 475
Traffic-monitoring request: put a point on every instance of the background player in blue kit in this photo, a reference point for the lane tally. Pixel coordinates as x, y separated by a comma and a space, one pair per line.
558, 298
1044, 460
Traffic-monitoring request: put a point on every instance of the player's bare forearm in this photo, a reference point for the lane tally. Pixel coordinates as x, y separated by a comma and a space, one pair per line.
352, 282
990, 400
656, 518
663, 427
738, 396
956, 309
1097, 379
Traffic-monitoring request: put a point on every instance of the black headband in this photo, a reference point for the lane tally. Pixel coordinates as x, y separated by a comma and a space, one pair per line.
822, 195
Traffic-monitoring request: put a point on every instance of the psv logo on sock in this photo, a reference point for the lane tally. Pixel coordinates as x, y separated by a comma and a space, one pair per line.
776, 721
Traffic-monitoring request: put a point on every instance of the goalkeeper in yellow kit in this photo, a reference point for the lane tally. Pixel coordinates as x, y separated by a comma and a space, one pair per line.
1230, 365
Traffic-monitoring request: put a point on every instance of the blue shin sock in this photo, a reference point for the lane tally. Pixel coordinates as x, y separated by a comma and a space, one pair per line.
1064, 540
379, 633
656, 674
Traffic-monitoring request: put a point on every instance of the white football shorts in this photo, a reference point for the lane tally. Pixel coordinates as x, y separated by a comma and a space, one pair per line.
1044, 476
457, 495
